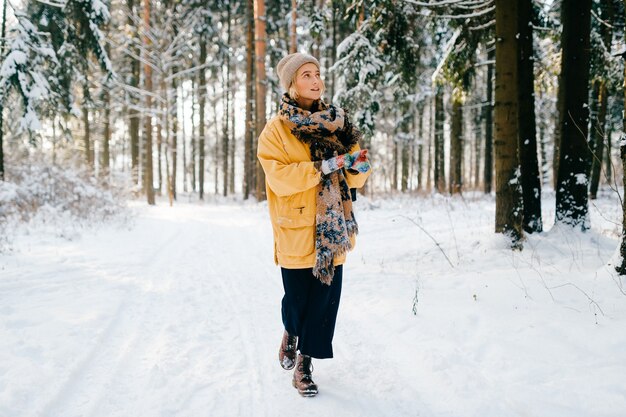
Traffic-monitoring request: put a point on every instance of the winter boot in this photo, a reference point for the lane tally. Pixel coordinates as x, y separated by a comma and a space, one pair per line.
287, 352
302, 378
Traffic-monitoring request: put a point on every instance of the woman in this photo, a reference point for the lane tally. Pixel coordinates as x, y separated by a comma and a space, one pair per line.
311, 158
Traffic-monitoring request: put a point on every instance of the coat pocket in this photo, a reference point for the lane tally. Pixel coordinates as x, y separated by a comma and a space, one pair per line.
296, 235
296, 206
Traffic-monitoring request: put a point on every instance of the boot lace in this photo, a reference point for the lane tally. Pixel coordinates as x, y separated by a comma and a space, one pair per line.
290, 346
306, 368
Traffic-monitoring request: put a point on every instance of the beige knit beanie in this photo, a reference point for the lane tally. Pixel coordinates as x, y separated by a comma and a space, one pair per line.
288, 66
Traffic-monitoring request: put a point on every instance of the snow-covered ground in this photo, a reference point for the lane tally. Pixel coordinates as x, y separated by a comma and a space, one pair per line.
178, 314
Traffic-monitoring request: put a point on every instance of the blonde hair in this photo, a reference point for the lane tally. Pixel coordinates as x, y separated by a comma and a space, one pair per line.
293, 92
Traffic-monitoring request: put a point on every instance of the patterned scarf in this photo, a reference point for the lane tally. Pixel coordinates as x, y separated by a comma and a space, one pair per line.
328, 132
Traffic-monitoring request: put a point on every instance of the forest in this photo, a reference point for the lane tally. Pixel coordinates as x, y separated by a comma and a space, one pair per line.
141, 244
512, 97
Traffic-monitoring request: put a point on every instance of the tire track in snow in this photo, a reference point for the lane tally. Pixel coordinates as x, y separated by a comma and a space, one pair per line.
222, 273
88, 382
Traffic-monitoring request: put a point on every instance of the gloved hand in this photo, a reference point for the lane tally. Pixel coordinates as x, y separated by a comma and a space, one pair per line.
360, 163
337, 162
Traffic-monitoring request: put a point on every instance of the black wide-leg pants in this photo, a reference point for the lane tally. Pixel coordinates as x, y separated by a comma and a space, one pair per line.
309, 310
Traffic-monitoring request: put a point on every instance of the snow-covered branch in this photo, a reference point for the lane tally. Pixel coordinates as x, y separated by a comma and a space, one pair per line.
443, 3
447, 50
60, 4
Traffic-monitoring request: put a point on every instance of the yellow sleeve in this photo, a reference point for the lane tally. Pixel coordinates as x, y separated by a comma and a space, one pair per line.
283, 176
356, 180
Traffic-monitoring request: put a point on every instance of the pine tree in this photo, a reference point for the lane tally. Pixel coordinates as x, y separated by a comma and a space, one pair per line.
359, 67
24, 70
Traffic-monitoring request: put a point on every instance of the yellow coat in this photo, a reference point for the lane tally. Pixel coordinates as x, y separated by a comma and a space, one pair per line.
291, 182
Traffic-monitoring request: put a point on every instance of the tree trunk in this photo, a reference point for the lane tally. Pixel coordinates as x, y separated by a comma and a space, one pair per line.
87, 136
394, 163
194, 133
261, 82
598, 132
2, 39
249, 135
106, 137
293, 44
557, 133
439, 177
598, 125
174, 109
431, 140
456, 144
508, 192
2, 128
202, 103
149, 185
608, 160
225, 142
529, 165
361, 17
478, 137
420, 147
166, 150
333, 50
159, 126
133, 114
231, 175
184, 140
216, 148
488, 168
544, 155
621, 269
573, 171
226, 124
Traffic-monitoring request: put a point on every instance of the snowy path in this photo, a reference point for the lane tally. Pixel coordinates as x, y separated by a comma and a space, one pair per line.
180, 316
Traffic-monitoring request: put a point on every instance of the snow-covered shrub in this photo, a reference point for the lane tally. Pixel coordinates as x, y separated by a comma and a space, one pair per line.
40, 193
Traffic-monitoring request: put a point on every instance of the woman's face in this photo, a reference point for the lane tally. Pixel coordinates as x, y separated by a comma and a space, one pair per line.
308, 82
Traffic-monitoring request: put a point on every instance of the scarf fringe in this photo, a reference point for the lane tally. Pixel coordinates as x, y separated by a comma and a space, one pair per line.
324, 268
324, 259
